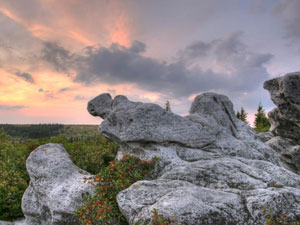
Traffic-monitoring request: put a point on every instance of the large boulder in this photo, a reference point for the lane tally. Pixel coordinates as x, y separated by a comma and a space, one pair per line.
285, 119
213, 168
285, 93
56, 187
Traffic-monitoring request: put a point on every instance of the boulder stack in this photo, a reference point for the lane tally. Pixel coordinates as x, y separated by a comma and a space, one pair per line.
213, 169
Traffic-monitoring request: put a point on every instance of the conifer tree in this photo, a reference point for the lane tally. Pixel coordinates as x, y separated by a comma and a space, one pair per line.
261, 122
242, 115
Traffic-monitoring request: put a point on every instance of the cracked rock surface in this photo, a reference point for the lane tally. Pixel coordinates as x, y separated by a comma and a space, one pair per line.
213, 168
56, 187
285, 119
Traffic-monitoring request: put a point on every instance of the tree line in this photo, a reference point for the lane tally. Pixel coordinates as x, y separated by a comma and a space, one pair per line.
261, 122
33, 131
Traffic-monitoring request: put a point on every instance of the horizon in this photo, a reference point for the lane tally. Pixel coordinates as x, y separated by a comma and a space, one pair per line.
57, 55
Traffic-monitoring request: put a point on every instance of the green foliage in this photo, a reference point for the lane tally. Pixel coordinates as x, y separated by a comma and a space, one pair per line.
242, 115
102, 208
91, 155
33, 131
13, 177
261, 122
272, 219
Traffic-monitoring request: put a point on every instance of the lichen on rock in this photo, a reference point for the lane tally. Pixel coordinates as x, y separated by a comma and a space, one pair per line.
56, 187
214, 168
285, 119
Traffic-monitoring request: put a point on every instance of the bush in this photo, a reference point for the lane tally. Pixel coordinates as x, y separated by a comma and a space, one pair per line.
91, 155
102, 208
272, 219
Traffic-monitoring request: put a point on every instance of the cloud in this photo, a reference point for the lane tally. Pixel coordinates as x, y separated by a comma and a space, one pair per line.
111, 91
80, 98
63, 90
222, 64
137, 47
9, 107
58, 57
26, 76
288, 12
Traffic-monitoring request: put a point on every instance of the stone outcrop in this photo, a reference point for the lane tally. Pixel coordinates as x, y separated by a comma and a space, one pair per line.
285, 119
213, 167
56, 187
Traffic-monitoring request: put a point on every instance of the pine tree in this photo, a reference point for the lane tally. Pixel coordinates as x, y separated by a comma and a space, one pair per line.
242, 115
168, 106
261, 122
238, 115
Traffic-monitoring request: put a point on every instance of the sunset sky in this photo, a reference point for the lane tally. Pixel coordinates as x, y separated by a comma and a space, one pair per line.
56, 55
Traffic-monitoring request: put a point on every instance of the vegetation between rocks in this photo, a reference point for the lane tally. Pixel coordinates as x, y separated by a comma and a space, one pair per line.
102, 208
272, 219
91, 155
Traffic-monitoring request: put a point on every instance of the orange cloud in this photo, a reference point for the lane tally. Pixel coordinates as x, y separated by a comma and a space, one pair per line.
81, 38
10, 15
67, 27
119, 31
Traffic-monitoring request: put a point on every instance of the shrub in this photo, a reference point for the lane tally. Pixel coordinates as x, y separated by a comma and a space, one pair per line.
102, 208
13, 179
272, 219
91, 155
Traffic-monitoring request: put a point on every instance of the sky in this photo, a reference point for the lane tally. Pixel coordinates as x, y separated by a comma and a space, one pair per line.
56, 55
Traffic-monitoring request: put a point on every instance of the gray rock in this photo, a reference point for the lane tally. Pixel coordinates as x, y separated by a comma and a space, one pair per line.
285, 119
264, 136
289, 152
100, 106
17, 222
285, 93
213, 169
56, 187
136, 122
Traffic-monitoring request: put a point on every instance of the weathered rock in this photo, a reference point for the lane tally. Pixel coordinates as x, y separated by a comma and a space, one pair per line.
214, 167
17, 222
56, 187
285, 120
264, 136
289, 152
285, 93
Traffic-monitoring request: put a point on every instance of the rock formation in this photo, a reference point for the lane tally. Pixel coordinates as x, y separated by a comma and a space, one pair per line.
213, 168
56, 187
285, 119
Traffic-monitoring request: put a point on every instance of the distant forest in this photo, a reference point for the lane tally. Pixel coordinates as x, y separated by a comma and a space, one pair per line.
32, 131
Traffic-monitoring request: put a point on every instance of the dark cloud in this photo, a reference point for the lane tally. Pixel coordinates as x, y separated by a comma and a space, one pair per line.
222, 64
58, 57
11, 107
63, 90
26, 76
195, 50
288, 12
137, 47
